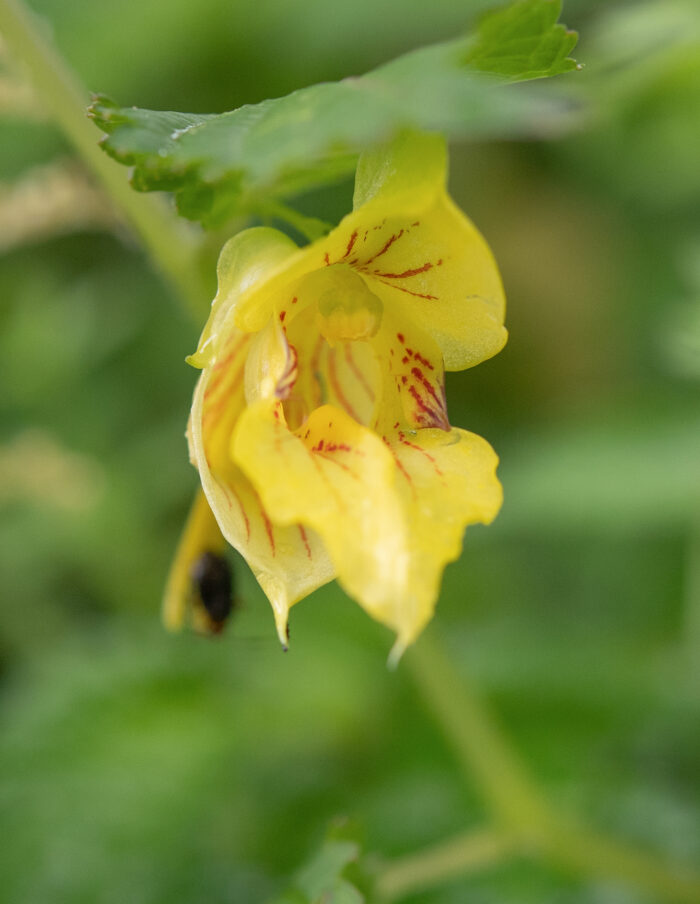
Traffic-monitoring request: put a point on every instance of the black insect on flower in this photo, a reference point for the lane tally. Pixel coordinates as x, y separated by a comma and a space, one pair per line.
212, 583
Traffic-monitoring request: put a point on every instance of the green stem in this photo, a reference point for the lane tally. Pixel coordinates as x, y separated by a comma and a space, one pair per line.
527, 821
477, 742
593, 855
173, 248
466, 853
310, 227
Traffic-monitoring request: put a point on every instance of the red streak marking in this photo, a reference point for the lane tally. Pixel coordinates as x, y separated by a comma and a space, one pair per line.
318, 447
391, 351
406, 273
315, 358
417, 223
396, 425
394, 238
294, 300
409, 351
408, 291
337, 388
340, 464
351, 244
337, 447
304, 539
212, 411
326, 259
439, 263
404, 379
214, 384
430, 458
283, 314
424, 361
400, 466
243, 512
400, 337
405, 359
418, 374
339, 499
268, 525
360, 377
234, 351
438, 418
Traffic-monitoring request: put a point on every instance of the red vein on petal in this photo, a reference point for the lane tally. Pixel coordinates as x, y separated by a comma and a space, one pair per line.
406, 273
351, 244
337, 388
268, 524
314, 368
229, 355
390, 241
400, 466
424, 361
243, 511
420, 376
438, 418
324, 477
402, 439
216, 381
358, 373
304, 539
408, 291
341, 464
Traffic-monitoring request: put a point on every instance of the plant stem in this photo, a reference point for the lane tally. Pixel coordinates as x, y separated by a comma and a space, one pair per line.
310, 227
587, 853
467, 852
527, 822
476, 740
171, 246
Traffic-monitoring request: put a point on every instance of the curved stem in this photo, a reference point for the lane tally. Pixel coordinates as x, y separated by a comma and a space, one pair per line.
527, 821
477, 742
466, 853
310, 227
172, 247
585, 852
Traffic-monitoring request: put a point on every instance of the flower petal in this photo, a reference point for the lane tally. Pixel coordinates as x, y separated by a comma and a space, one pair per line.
337, 477
446, 477
201, 534
416, 249
448, 481
412, 374
288, 562
244, 262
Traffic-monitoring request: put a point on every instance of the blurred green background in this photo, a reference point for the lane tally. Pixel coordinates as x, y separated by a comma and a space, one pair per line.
142, 767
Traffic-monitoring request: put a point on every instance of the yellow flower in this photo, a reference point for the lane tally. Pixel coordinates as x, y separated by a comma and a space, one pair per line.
319, 424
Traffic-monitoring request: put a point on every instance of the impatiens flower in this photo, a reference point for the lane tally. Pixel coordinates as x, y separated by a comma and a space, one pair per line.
319, 425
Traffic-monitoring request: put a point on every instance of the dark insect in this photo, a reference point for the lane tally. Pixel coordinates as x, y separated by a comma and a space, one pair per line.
212, 580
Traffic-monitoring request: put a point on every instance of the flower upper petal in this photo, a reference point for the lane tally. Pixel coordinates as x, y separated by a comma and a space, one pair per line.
416, 249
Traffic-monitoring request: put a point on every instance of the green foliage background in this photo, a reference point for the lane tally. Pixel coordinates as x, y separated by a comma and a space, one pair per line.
136, 766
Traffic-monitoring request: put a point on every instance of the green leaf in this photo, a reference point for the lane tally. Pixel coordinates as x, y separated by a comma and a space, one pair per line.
321, 880
221, 166
524, 41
